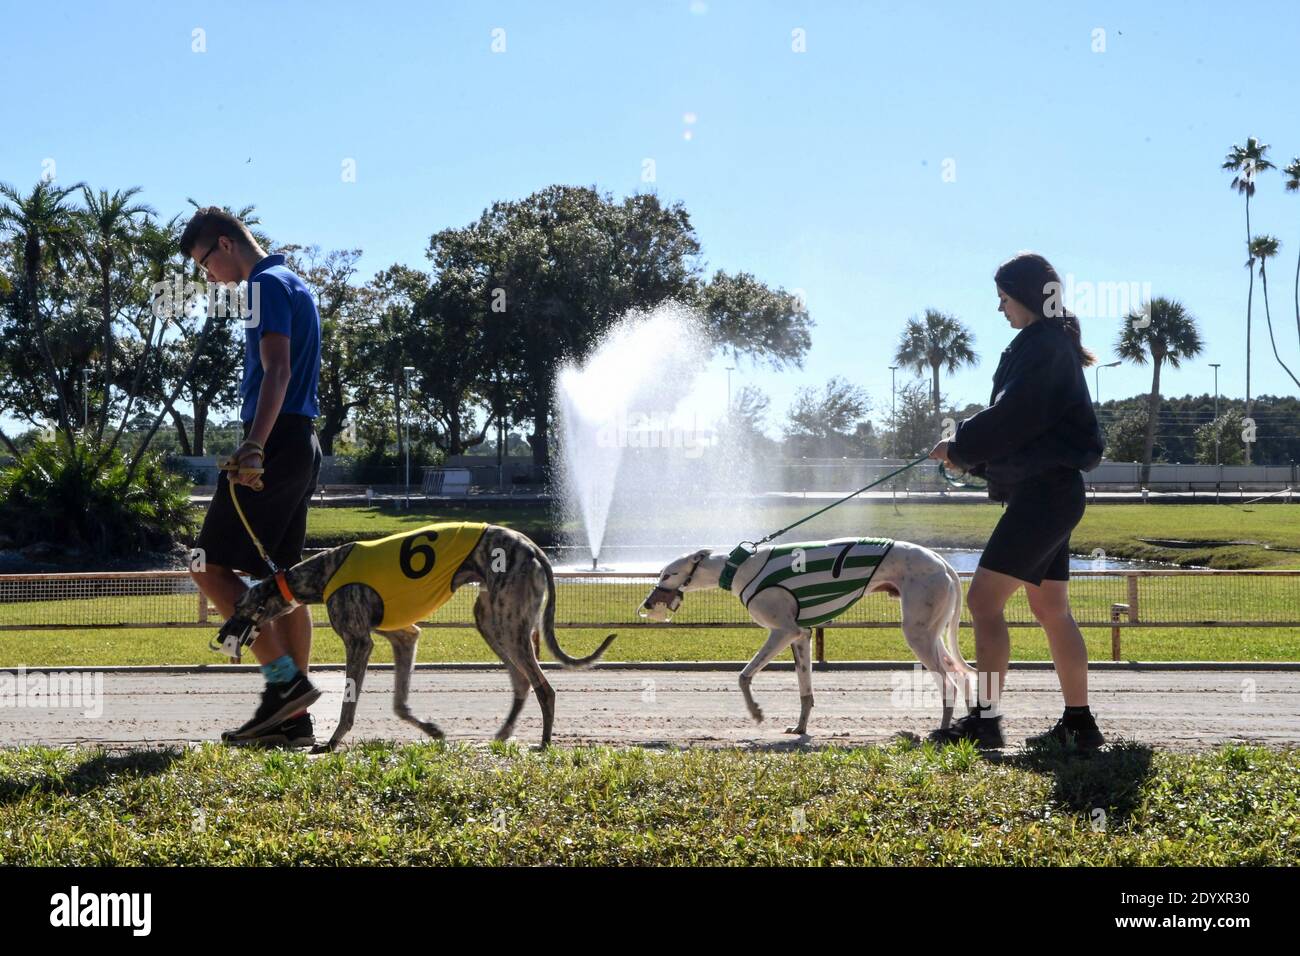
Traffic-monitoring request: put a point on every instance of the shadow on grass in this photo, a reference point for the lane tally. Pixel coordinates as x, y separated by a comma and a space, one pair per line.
98, 770
1109, 779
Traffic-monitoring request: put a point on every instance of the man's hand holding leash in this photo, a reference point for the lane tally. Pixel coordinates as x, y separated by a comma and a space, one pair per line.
245, 465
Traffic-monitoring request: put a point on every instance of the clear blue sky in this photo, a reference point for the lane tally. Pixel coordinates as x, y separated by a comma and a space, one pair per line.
821, 170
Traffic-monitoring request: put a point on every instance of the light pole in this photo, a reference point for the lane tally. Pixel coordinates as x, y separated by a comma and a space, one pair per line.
407, 372
893, 415
1096, 378
1215, 366
730, 369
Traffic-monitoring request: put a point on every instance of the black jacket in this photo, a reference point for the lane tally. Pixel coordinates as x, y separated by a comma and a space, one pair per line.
1040, 416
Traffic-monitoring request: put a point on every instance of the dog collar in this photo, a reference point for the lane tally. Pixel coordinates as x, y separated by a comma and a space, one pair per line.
739, 555
284, 589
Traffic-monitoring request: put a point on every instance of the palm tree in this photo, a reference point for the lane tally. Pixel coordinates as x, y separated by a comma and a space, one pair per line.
1167, 332
938, 342
48, 230
1247, 162
1293, 185
1264, 248
111, 228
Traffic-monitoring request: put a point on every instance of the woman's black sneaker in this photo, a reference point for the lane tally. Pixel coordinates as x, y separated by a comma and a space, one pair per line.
279, 701
984, 731
1077, 731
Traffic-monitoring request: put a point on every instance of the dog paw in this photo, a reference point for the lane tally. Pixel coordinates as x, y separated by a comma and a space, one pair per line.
322, 749
801, 731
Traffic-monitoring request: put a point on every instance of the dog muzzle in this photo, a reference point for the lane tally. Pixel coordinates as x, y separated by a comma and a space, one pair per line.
234, 637
661, 604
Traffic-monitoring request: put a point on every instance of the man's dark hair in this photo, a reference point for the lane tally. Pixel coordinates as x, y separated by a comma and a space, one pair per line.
209, 224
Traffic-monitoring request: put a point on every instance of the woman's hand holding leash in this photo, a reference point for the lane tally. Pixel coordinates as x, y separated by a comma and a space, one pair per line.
940, 452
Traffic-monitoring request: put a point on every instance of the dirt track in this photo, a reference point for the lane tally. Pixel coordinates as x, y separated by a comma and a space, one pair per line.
1190, 710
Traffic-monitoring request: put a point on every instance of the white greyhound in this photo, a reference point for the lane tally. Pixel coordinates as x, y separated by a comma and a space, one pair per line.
788, 588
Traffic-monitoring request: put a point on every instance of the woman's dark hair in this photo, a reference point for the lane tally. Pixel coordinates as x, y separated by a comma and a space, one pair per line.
1030, 280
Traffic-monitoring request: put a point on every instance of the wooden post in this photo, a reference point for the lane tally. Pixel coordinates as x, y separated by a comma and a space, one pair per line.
1115, 611
819, 638
1134, 614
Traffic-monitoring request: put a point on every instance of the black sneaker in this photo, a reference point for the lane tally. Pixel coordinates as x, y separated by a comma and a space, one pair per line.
1078, 732
292, 733
279, 701
984, 731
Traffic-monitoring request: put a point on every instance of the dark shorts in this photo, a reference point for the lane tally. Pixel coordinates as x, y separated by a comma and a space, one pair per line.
1032, 539
278, 513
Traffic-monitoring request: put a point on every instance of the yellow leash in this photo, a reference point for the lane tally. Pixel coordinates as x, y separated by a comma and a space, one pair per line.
232, 465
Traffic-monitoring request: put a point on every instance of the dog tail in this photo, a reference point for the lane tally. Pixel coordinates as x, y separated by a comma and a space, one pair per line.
548, 624
952, 647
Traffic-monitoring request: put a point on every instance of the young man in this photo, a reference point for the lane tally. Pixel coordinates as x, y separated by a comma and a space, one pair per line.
279, 403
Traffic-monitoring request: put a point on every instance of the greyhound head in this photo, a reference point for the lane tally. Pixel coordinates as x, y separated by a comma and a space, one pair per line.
261, 604
666, 597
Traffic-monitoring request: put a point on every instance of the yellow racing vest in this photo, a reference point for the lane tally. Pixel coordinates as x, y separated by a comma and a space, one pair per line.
411, 571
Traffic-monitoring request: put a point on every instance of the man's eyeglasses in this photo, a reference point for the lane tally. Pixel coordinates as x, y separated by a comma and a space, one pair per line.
203, 268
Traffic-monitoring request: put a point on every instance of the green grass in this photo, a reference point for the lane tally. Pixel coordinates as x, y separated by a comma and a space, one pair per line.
439, 804
190, 646
327, 527
1110, 527
1161, 599
1114, 528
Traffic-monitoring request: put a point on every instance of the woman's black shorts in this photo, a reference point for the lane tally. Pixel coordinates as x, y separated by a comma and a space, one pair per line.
1032, 539
278, 513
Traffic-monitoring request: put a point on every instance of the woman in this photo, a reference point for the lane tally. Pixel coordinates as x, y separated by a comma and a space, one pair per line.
1031, 445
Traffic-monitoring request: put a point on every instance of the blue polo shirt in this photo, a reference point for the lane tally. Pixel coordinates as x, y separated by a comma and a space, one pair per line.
281, 302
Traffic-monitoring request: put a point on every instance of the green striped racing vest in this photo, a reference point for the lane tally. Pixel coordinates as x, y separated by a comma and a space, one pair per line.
826, 578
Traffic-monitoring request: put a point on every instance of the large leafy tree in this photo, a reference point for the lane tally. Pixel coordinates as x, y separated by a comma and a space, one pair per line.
47, 234
936, 342
560, 266
915, 423
460, 360
1164, 332
111, 226
748, 318
556, 269
1126, 436
1218, 441
826, 423
344, 384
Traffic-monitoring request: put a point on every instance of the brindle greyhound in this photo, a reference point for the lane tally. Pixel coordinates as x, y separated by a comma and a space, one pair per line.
516, 599
927, 585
